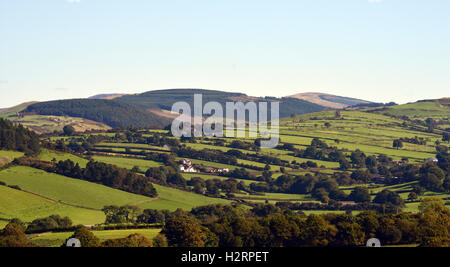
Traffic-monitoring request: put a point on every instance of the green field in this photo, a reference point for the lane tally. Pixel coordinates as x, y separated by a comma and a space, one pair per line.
128, 163
8, 156
428, 109
27, 207
57, 239
48, 155
78, 194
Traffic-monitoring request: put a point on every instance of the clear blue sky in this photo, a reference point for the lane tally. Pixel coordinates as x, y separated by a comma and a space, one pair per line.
388, 50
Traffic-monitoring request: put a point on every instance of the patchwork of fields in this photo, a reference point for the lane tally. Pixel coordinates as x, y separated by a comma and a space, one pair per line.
43, 193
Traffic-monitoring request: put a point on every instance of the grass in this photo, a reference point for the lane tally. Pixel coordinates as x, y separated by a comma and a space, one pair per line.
48, 124
173, 199
57, 239
10, 154
128, 163
47, 155
27, 207
419, 110
68, 190
88, 195
371, 133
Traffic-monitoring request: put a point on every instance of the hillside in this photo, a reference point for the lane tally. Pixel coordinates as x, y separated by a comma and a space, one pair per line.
419, 110
111, 113
27, 206
164, 99
70, 197
329, 101
47, 124
13, 110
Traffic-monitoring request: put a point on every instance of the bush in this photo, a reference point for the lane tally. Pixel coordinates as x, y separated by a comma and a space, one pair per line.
15, 187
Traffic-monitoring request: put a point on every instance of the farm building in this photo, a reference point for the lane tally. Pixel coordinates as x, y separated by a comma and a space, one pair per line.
186, 166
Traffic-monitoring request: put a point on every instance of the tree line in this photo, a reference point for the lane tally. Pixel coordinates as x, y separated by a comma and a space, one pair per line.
16, 137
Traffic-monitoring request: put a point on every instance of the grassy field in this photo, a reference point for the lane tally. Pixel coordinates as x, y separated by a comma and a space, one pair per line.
8, 156
371, 133
48, 155
68, 190
27, 207
82, 194
48, 124
57, 239
428, 109
128, 163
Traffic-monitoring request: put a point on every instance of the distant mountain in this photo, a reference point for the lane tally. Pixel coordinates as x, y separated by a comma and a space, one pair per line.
109, 112
330, 101
106, 96
158, 100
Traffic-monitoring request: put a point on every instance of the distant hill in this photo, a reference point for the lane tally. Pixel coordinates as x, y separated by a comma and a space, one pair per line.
106, 96
329, 101
15, 109
164, 99
109, 112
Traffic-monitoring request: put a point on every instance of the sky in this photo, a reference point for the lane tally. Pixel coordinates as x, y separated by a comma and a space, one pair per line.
378, 50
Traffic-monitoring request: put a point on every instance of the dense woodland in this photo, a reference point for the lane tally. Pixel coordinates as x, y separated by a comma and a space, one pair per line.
166, 98
111, 113
16, 137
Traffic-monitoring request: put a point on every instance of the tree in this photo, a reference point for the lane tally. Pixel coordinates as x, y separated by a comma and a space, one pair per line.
433, 223
13, 236
344, 164
135, 169
361, 176
446, 137
68, 130
124, 214
160, 241
431, 124
86, 237
337, 114
446, 184
133, 240
371, 162
389, 197
397, 144
183, 231
360, 195
412, 196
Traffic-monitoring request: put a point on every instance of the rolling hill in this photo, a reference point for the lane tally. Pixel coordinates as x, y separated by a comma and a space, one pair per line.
47, 193
13, 110
329, 101
164, 99
437, 109
111, 113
